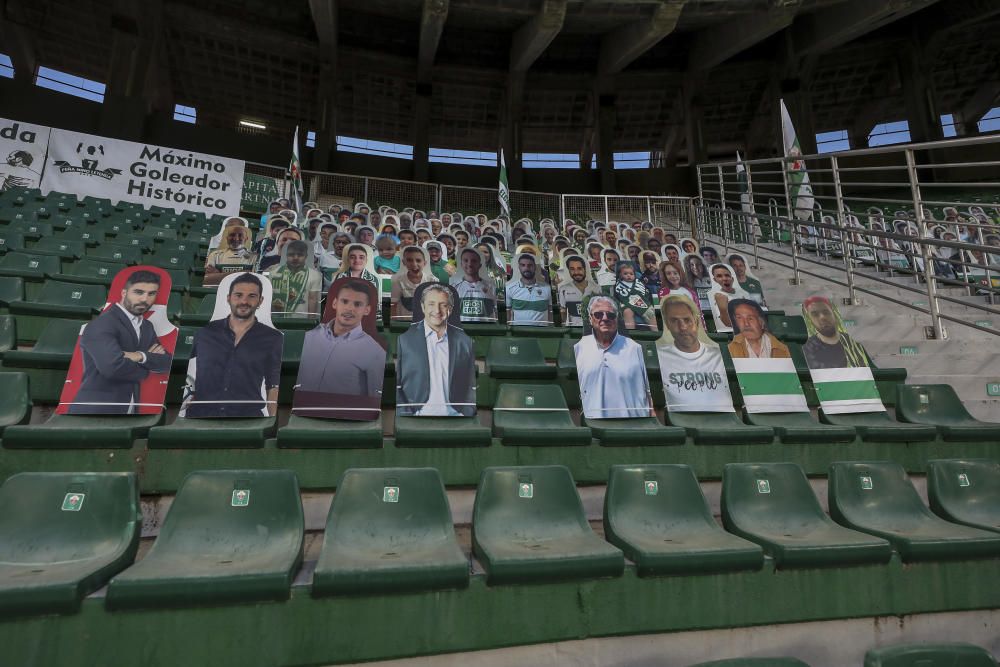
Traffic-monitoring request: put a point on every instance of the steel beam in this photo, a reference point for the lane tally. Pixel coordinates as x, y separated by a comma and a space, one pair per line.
830, 28
717, 44
532, 38
621, 47
432, 19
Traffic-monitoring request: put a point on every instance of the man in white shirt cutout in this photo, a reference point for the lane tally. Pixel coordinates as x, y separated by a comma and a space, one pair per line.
613, 382
694, 375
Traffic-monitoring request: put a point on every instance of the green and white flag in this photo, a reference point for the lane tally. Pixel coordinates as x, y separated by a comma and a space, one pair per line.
799, 190
295, 173
744, 185
770, 385
504, 192
846, 390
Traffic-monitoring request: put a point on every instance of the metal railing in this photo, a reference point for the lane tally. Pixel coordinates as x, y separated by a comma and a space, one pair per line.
923, 217
328, 188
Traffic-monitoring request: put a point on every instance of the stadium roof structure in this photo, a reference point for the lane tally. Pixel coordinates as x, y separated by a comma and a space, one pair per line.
533, 75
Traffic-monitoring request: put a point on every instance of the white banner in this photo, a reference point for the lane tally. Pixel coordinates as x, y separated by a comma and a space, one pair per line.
85, 164
22, 154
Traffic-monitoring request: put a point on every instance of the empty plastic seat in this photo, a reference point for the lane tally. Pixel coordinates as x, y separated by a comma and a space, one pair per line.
63, 248
720, 428
880, 427
53, 349
8, 333
15, 400
517, 358
878, 498
773, 505
230, 536
929, 655
799, 428
634, 432
313, 433
939, 406
754, 662
31, 229
965, 491
210, 433
11, 289
66, 300
172, 260
90, 271
28, 266
659, 517
441, 432
788, 328
87, 235
133, 240
528, 525
204, 313
535, 415
113, 252
62, 536
81, 432
10, 240
389, 530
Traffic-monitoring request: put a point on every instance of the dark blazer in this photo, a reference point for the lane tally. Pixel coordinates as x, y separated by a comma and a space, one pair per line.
108, 377
414, 370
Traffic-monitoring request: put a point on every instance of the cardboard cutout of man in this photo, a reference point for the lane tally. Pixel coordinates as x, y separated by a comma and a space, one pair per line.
296, 284
414, 270
529, 301
121, 349
613, 381
233, 254
343, 359
752, 339
236, 358
829, 346
724, 288
575, 285
691, 364
475, 288
437, 367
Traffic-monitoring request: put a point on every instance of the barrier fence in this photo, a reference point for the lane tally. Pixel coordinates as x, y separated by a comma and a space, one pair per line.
326, 189
925, 216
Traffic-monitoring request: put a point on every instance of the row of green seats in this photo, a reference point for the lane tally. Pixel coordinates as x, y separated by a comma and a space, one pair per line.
899, 655
235, 536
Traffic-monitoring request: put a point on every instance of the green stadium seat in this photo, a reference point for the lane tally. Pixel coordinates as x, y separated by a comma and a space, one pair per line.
114, 252
179, 247
176, 261
773, 505
213, 433
157, 233
788, 328
31, 229
799, 428
314, 433
53, 349
754, 662
91, 271
965, 491
65, 300
535, 415
441, 432
82, 432
180, 280
389, 530
880, 427
231, 536
529, 526
15, 400
11, 240
8, 333
658, 515
878, 498
939, 406
28, 266
204, 313
64, 249
720, 428
53, 551
634, 432
929, 655
517, 359
133, 240
11, 289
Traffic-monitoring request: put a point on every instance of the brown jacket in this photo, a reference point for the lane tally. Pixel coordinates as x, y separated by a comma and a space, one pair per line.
738, 348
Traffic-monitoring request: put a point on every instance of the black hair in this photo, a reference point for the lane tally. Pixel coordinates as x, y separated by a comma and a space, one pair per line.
249, 279
356, 285
297, 246
142, 277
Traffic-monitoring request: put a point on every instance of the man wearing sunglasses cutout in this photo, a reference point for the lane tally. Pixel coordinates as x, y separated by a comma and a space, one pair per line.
613, 382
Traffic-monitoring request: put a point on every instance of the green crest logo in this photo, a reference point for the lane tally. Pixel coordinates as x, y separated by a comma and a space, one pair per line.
866, 482
241, 497
963, 479
525, 490
652, 487
390, 494
73, 502
763, 486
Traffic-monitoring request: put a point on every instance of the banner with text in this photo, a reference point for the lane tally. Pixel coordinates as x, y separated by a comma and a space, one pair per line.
22, 154
85, 164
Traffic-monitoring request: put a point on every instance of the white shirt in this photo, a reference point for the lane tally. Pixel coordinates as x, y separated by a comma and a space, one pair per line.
694, 381
438, 402
136, 322
613, 382
738, 293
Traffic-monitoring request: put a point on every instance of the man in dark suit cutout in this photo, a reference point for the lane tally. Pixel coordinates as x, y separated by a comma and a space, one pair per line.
120, 349
437, 376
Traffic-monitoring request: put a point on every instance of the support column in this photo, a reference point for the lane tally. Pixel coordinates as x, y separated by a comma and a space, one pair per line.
510, 133
326, 132
605, 141
921, 98
692, 124
421, 133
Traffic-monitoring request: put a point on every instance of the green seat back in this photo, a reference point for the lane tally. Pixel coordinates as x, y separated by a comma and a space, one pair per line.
157, 232
788, 328
85, 234
15, 399
31, 228
180, 280
56, 294
144, 243
965, 491
519, 358
58, 337
8, 333
11, 239
28, 265
389, 530
58, 246
175, 261
114, 252
230, 536
929, 655
11, 289
52, 555
754, 662
528, 524
98, 270
538, 396
931, 404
